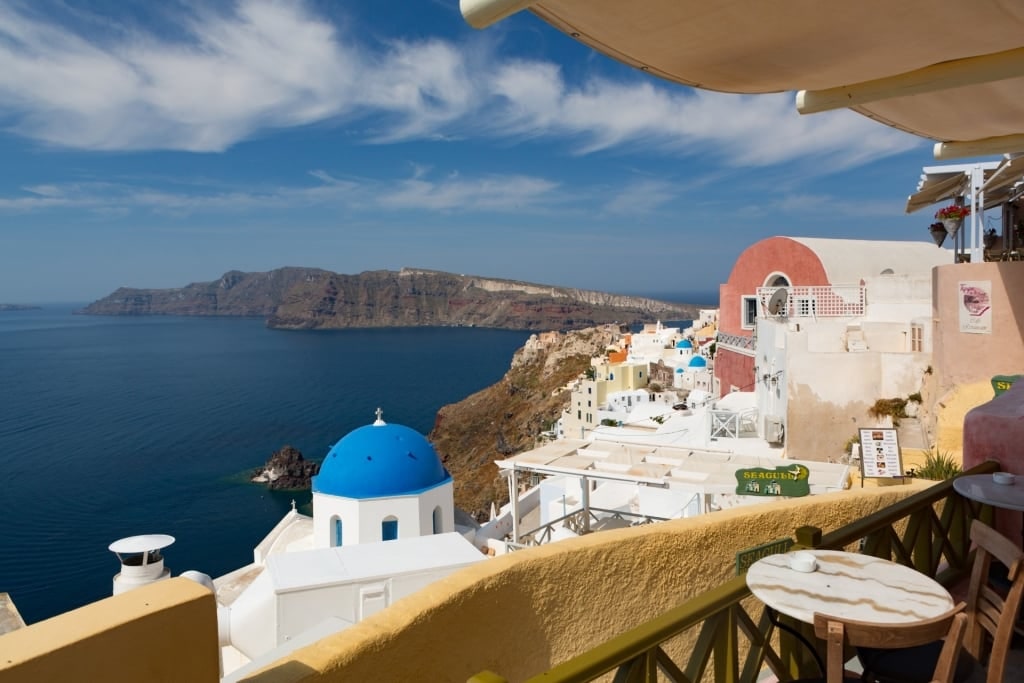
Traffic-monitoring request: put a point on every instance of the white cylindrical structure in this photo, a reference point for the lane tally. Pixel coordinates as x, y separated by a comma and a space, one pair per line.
141, 561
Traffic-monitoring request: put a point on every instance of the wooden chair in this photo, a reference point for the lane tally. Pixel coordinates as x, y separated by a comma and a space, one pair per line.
991, 613
840, 634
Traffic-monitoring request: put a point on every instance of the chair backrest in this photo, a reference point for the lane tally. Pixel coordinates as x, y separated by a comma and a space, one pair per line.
988, 611
838, 633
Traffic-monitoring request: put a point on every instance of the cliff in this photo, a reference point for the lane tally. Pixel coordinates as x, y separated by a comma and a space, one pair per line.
309, 298
508, 417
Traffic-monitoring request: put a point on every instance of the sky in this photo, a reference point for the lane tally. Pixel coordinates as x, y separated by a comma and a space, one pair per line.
156, 144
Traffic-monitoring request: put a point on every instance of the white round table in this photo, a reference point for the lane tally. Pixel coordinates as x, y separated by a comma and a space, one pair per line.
982, 488
849, 586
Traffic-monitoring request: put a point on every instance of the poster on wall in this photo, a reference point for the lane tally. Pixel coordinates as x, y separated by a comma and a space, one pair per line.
975, 302
880, 453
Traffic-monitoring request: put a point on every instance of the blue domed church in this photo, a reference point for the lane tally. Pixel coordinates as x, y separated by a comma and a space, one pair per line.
381, 482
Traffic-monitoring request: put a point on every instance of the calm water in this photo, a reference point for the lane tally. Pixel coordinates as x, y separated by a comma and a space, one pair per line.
111, 427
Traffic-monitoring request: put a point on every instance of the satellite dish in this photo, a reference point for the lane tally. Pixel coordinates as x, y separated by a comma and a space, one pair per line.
777, 303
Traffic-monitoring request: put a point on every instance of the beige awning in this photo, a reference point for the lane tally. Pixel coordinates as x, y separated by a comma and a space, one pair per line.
935, 188
1004, 178
946, 70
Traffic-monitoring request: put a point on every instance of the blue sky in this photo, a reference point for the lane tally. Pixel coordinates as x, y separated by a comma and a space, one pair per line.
155, 144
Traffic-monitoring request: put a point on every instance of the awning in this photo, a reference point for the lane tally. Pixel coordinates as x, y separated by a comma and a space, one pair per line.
1009, 174
943, 69
935, 188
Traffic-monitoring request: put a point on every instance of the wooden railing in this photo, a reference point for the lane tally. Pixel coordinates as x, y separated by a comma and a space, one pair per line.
728, 636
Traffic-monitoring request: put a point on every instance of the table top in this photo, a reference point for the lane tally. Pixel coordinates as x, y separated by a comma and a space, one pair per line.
848, 585
982, 488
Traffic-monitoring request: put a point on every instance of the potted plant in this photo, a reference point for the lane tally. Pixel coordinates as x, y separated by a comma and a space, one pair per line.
938, 231
952, 217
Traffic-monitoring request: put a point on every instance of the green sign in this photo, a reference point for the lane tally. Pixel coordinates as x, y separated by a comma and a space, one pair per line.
1000, 383
788, 480
749, 556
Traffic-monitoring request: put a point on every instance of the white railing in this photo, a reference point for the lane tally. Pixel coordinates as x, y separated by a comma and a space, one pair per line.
831, 301
734, 340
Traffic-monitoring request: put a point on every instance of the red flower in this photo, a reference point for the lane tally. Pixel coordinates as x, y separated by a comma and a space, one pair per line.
953, 211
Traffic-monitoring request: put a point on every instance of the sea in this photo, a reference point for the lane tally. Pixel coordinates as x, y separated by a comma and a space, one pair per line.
117, 426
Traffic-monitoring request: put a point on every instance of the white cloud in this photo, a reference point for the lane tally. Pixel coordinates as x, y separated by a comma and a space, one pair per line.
492, 193
265, 64
641, 197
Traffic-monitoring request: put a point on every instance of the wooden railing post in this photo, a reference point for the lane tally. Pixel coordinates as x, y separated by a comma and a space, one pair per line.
808, 536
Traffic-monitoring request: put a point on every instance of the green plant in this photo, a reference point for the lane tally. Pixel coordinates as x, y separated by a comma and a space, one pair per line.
608, 422
893, 407
660, 419
656, 388
848, 446
938, 466
914, 397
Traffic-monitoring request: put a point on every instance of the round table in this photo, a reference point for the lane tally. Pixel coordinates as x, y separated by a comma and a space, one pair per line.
982, 488
849, 586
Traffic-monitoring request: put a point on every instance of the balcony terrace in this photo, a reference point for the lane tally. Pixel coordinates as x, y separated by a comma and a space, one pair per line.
659, 597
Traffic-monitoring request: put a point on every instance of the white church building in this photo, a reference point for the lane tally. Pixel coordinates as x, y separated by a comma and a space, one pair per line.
383, 527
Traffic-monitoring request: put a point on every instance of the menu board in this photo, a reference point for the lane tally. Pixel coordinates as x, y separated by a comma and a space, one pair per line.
880, 453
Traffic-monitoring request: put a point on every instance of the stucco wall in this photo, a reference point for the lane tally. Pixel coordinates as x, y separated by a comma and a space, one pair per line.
521, 613
964, 363
963, 358
166, 631
733, 369
757, 262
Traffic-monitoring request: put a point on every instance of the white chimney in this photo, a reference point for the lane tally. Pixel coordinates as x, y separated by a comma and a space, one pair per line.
141, 560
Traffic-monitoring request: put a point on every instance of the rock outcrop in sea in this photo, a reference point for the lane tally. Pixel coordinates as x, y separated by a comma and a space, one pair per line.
310, 298
286, 470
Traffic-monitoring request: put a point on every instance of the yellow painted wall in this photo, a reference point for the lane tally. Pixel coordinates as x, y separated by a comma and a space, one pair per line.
166, 631
521, 613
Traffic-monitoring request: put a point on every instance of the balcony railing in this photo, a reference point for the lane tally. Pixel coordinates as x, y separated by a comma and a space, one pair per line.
736, 341
731, 639
833, 301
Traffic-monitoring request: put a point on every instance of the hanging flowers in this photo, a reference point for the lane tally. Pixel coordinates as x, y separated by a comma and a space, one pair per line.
953, 212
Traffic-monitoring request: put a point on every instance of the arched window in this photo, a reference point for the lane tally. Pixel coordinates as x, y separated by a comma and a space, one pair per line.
779, 280
336, 532
438, 522
389, 528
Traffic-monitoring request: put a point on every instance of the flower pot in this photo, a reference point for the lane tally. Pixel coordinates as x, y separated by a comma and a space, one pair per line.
938, 232
952, 225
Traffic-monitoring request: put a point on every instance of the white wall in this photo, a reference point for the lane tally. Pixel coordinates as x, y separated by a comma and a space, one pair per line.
361, 519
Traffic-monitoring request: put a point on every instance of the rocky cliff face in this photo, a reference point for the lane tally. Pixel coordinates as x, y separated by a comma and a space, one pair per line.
509, 416
306, 298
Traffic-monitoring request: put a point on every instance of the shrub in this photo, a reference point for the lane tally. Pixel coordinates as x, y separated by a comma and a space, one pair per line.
893, 407
656, 388
938, 466
914, 397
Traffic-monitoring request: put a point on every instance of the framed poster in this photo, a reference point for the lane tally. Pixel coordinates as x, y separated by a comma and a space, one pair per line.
975, 302
880, 453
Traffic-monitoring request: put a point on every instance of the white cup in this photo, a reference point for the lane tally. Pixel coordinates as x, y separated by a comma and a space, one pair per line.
802, 562
1005, 478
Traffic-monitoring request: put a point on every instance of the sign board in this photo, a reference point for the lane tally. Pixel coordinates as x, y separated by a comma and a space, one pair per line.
749, 556
880, 453
788, 480
1001, 383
